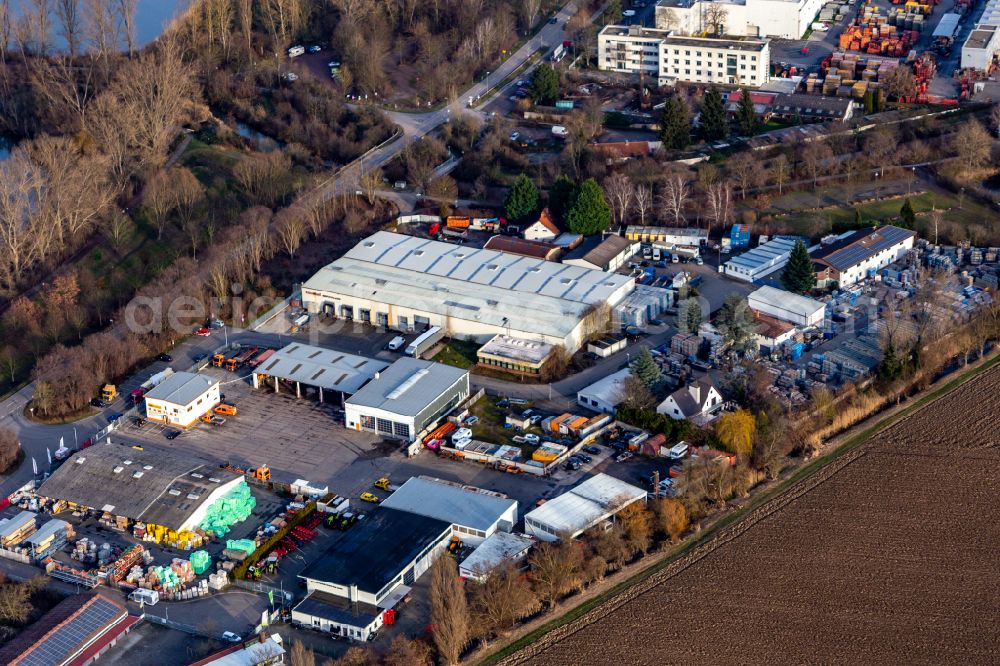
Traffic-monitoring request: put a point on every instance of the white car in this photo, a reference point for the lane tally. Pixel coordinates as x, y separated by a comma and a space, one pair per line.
462, 433
629, 13
514, 136
396, 343
231, 637
315, 48
296, 51
290, 76
532, 439
333, 64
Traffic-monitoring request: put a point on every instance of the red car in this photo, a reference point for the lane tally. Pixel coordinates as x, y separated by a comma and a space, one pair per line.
203, 332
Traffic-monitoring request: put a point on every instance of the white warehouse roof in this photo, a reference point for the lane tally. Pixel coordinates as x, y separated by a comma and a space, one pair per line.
181, 388
778, 302
494, 288
407, 387
607, 389
584, 506
451, 503
764, 255
325, 368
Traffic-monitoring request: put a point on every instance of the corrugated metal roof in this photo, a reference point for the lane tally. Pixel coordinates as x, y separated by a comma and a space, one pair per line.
784, 300
452, 504
861, 245
607, 389
498, 548
181, 388
407, 386
581, 507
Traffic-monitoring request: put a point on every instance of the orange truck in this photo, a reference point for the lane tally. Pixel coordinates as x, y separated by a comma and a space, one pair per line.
458, 222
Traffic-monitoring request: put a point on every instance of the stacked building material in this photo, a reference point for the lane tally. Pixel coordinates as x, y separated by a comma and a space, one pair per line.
236, 506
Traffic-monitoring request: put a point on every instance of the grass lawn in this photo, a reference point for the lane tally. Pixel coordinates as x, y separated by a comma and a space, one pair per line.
490, 427
459, 353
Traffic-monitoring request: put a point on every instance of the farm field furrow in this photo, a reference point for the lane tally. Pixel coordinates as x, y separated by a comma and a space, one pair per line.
891, 560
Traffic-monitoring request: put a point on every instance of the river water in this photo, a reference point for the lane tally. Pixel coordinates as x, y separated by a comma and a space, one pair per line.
151, 17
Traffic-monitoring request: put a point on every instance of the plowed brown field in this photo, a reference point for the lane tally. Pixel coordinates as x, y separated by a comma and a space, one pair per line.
890, 555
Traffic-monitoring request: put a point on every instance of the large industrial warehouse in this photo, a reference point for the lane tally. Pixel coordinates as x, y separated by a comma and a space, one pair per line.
159, 488
409, 283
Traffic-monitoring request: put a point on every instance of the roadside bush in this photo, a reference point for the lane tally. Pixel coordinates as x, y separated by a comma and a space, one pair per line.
10, 449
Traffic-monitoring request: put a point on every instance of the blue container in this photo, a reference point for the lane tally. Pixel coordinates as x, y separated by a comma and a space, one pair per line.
740, 235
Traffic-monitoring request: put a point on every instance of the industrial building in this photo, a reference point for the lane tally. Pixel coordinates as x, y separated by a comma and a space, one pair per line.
604, 394
333, 375
688, 236
368, 570
514, 355
404, 399
574, 512
181, 399
856, 255
408, 283
760, 261
801, 107
159, 487
982, 44
262, 650
787, 306
474, 514
784, 19
673, 58
525, 248
609, 255
496, 550
77, 631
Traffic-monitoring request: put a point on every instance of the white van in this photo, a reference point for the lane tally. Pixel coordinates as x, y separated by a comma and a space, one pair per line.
296, 51
396, 343
679, 451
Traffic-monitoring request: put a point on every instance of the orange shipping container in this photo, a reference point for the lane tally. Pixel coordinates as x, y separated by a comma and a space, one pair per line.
577, 423
558, 421
457, 222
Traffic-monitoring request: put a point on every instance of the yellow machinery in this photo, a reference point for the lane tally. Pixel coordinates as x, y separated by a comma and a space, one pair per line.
218, 360
383, 483
262, 473
109, 392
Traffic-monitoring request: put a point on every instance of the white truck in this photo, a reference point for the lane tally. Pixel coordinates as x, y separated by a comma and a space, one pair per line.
425, 341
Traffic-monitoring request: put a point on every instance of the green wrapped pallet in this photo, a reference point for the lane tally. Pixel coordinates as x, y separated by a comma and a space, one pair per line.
200, 561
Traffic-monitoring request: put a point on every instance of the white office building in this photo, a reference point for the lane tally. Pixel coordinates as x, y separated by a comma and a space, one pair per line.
672, 59
181, 399
574, 512
784, 19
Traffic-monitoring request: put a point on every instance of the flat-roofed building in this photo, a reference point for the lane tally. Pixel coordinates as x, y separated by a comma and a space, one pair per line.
474, 514
688, 236
605, 394
785, 19
673, 58
498, 549
514, 355
409, 283
181, 399
402, 400
525, 248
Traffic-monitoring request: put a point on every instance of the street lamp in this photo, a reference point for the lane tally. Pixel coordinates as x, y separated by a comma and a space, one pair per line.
876, 175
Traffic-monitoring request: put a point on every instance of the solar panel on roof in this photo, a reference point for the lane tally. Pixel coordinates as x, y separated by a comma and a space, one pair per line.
72, 635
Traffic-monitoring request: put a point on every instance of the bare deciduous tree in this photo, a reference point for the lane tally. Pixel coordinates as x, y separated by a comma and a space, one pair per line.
449, 610
779, 171
501, 600
555, 569
719, 200
620, 192
971, 144
744, 169
674, 197
643, 202
370, 181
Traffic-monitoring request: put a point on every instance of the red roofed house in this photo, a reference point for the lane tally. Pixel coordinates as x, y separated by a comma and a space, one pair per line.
76, 632
762, 102
544, 229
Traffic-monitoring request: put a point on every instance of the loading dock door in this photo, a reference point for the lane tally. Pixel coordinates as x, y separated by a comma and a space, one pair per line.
421, 323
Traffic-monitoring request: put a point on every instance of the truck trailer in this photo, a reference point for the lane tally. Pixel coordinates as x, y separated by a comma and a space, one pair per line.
425, 341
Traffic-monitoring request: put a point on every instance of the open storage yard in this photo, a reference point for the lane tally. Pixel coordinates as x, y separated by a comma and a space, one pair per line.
887, 555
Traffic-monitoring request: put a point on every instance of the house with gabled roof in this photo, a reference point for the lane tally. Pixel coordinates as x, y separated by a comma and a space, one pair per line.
542, 229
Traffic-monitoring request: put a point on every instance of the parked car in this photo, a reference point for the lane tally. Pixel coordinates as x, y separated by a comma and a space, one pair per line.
535, 419
138, 421
623, 456
628, 13
572, 465
527, 413
315, 48
231, 637
396, 343
532, 439
291, 77
166, 358
203, 332
199, 357
113, 416
171, 434
369, 497
553, 20
584, 457
593, 450
472, 420
97, 402
333, 64
657, 322
515, 135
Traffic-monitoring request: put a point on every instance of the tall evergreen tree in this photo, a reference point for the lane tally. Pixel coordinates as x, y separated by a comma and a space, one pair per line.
858, 220
907, 216
689, 315
645, 368
522, 200
675, 125
712, 120
799, 275
544, 87
561, 196
746, 116
589, 213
